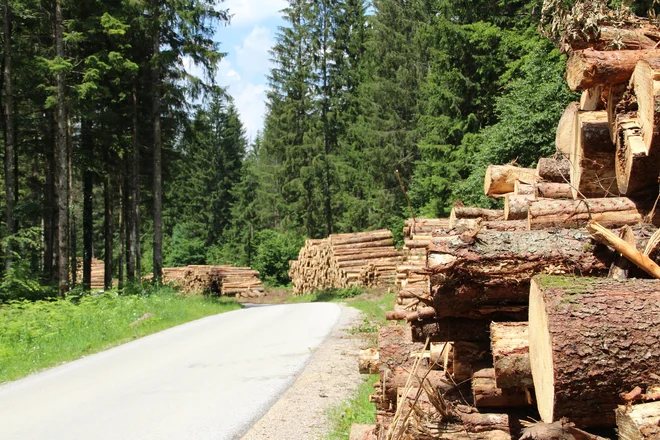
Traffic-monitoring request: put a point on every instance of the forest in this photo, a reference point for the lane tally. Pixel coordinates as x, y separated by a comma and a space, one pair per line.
376, 111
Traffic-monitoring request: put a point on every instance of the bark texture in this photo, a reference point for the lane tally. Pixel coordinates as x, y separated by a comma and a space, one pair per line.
486, 393
590, 68
509, 342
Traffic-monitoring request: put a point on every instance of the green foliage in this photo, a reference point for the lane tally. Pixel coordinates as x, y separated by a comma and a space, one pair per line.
37, 335
273, 251
356, 410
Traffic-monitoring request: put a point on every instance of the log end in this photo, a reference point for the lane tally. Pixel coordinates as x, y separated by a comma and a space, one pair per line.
540, 353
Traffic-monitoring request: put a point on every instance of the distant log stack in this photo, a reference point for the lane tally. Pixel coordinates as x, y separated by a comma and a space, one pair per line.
98, 274
344, 260
505, 292
227, 280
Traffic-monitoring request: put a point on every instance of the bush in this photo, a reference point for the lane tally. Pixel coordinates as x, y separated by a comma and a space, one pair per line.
274, 250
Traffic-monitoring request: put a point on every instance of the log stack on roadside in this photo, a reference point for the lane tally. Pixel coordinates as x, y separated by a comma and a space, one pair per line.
544, 310
241, 282
344, 260
98, 274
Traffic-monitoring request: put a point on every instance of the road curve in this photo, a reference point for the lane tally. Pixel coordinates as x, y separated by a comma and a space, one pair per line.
208, 379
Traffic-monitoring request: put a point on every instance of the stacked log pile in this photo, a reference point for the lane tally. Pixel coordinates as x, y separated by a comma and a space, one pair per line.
241, 282
98, 274
543, 310
343, 260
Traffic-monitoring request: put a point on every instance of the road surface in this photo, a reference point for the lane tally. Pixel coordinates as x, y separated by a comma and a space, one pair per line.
208, 379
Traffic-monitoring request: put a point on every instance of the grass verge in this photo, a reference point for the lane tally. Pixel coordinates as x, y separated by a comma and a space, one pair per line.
355, 410
38, 335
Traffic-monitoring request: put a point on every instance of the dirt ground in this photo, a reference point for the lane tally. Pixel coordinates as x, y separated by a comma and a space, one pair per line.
330, 377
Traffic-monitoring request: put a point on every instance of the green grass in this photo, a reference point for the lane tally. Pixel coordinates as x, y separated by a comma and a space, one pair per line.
355, 410
38, 335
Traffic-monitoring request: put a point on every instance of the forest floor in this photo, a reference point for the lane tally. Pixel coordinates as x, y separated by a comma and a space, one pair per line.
325, 399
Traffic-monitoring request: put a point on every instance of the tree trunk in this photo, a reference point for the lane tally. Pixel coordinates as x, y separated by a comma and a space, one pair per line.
469, 212
62, 164
501, 179
523, 189
554, 170
122, 232
590, 68
136, 236
107, 233
50, 211
515, 207
496, 268
553, 190
9, 131
509, 342
88, 224
593, 158
157, 151
638, 422
611, 212
590, 340
486, 394
566, 129
71, 207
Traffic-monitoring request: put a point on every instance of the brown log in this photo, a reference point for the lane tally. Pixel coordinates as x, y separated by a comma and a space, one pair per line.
486, 394
593, 168
523, 189
496, 268
591, 339
395, 344
610, 212
501, 179
592, 99
616, 106
509, 342
553, 190
636, 169
503, 226
468, 358
451, 329
641, 36
561, 430
554, 170
368, 361
396, 378
515, 207
471, 212
639, 422
590, 68
567, 129
621, 265
647, 91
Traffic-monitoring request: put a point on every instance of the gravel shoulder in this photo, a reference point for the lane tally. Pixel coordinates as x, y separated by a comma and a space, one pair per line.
330, 377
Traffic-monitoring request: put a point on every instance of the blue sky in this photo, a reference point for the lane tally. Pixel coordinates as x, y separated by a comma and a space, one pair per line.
247, 41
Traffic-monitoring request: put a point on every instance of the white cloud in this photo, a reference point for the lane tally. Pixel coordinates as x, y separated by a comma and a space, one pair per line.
250, 12
253, 55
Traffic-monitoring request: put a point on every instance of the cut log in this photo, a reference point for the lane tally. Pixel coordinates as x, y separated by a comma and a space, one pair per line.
509, 342
554, 170
590, 68
549, 190
616, 106
636, 169
393, 380
591, 339
451, 329
515, 207
470, 212
561, 430
641, 36
610, 212
647, 91
592, 157
621, 265
523, 189
639, 422
501, 179
496, 268
567, 129
592, 100
486, 394
368, 361
468, 358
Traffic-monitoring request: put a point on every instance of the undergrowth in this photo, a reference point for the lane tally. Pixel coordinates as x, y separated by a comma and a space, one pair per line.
38, 335
356, 410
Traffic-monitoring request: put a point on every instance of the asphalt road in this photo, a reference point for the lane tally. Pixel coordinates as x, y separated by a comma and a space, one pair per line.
208, 379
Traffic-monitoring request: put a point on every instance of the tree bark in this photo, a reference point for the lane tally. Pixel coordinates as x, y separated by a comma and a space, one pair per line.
553, 190
638, 422
451, 330
590, 341
509, 342
647, 91
554, 170
643, 36
468, 358
470, 212
616, 106
50, 194
590, 68
107, 233
9, 132
88, 206
593, 158
495, 269
486, 394
135, 237
610, 212
122, 233
515, 207
566, 129
501, 179
157, 151
62, 164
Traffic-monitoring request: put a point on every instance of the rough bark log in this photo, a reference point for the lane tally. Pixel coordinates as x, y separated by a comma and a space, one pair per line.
591, 339
523, 189
561, 430
553, 190
567, 128
394, 379
451, 329
638, 422
590, 68
554, 170
470, 212
515, 207
501, 179
496, 267
621, 265
509, 342
642, 36
593, 157
486, 394
592, 99
610, 212
468, 358
395, 344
